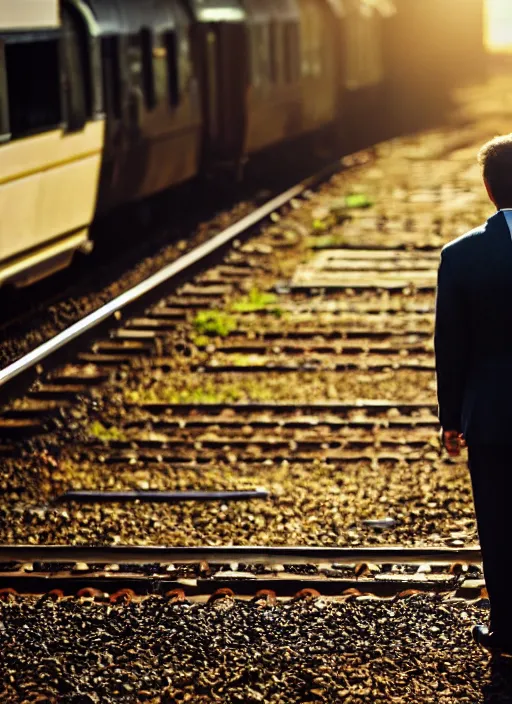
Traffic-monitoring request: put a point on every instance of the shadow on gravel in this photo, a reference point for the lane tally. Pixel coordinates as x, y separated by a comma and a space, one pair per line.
499, 689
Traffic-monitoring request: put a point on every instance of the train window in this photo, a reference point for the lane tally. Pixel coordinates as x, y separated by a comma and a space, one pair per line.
179, 64
256, 78
185, 68
148, 74
318, 40
275, 51
135, 99
213, 111
134, 54
305, 43
292, 52
76, 76
312, 40
4, 108
112, 85
160, 59
34, 90
173, 68
261, 55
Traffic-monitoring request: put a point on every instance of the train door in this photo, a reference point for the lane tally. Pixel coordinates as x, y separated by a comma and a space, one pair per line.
139, 102
172, 117
122, 73
221, 50
112, 69
114, 97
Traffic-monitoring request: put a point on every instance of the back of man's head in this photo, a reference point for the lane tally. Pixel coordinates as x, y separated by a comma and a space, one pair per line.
495, 158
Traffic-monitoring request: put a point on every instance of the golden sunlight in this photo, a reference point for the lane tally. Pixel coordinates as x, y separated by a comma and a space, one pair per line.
498, 23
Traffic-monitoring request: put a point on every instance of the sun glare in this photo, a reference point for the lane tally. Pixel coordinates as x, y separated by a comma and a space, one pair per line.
499, 26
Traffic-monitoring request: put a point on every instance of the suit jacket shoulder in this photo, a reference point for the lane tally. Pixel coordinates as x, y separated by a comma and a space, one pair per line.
470, 240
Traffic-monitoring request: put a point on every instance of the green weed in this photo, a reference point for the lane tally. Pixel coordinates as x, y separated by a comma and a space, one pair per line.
358, 200
100, 432
320, 225
201, 341
205, 391
335, 239
214, 323
255, 301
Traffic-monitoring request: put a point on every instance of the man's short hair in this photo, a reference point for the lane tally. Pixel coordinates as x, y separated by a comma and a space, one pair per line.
495, 158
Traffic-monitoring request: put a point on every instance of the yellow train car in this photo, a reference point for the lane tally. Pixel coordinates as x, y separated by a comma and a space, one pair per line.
51, 136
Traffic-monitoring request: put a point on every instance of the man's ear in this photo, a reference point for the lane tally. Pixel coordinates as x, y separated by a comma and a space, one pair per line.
489, 193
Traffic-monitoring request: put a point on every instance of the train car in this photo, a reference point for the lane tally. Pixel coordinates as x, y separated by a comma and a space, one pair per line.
151, 98
51, 131
106, 102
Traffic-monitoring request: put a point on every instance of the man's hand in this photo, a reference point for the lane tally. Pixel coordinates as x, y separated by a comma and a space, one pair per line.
453, 442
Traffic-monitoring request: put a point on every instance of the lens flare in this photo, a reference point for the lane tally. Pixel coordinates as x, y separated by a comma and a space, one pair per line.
498, 23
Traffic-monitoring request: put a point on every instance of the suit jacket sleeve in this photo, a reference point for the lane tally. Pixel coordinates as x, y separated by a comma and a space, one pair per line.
451, 342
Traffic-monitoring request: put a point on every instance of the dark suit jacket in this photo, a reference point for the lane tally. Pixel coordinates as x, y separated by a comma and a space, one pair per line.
473, 335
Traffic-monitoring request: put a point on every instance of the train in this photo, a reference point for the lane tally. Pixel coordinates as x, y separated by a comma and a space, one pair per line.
107, 102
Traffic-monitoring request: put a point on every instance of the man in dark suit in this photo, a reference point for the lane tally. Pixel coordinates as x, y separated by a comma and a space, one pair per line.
473, 345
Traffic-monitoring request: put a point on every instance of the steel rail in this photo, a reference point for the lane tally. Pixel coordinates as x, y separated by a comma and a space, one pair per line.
169, 497
128, 554
165, 275
284, 407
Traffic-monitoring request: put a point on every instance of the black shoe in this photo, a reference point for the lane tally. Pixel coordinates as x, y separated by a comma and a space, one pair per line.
489, 640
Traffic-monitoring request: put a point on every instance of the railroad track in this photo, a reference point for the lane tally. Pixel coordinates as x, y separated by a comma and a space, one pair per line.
272, 387
212, 572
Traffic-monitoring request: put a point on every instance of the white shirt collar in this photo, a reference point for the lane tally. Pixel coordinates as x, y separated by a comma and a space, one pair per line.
507, 212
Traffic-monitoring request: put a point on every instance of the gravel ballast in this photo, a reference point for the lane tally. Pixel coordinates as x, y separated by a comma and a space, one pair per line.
358, 651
